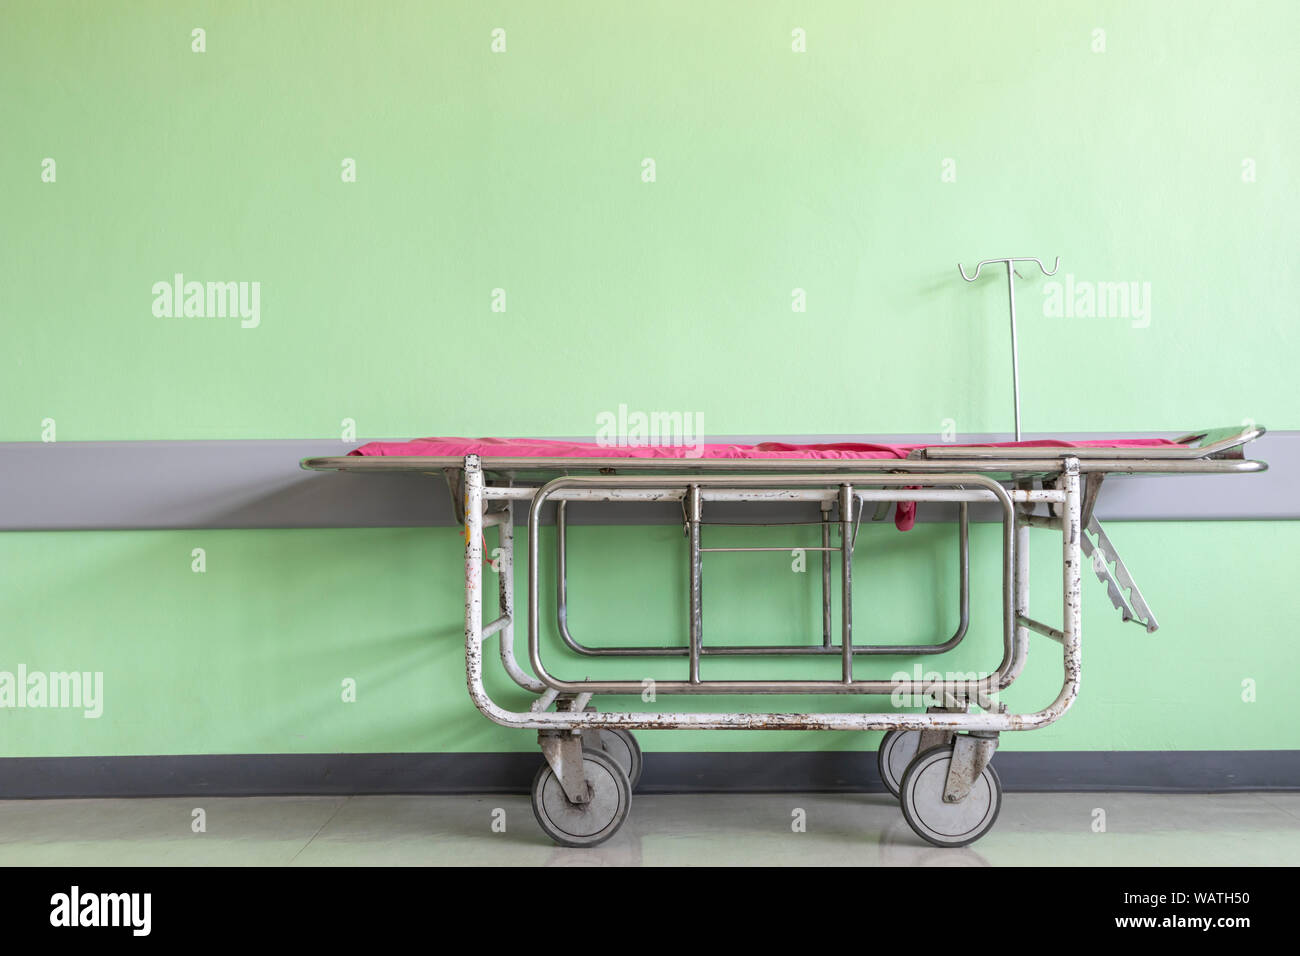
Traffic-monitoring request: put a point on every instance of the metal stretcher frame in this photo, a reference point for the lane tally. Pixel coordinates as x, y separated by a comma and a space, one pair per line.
699, 489
827, 646
1068, 478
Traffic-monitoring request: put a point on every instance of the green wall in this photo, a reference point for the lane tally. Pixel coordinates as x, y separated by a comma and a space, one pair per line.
1167, 159
250, 655
521, 171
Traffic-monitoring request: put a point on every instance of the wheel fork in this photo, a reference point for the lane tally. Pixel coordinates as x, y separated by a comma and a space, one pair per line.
563, 751
971, 753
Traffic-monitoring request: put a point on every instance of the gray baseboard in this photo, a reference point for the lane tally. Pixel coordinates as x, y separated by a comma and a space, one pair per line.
1200, 771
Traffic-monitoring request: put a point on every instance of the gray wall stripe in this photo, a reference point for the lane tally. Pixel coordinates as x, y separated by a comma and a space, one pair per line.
783, 772
257, 484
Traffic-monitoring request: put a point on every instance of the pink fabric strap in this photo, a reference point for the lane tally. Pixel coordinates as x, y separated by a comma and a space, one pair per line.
904, 513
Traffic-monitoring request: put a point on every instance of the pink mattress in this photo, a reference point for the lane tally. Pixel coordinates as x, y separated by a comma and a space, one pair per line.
904, 513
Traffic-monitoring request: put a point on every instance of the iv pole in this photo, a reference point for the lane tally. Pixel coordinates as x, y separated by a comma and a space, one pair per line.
1009, 262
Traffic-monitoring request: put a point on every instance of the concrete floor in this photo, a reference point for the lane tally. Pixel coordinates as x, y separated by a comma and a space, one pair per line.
716, 829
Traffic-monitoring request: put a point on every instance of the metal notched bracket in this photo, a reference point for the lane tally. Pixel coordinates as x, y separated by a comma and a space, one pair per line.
1120, 586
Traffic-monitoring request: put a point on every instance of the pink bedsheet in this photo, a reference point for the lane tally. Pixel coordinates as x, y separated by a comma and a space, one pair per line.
904, 513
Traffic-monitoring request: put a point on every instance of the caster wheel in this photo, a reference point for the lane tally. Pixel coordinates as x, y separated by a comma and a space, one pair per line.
622, 746
583, 824
897, 750
948, 824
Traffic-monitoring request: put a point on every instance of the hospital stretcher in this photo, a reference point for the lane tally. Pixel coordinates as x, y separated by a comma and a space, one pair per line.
936, 762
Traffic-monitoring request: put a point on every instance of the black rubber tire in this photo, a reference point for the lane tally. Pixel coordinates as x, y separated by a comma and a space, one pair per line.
946, 825
623, 747
589, 824
894, 745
